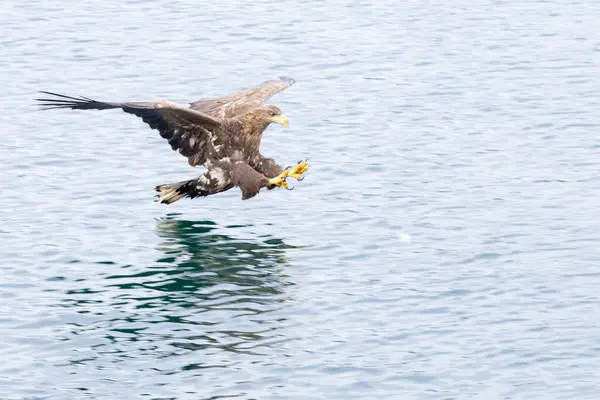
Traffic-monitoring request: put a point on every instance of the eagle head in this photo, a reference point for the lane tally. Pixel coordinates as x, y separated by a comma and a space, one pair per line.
274, 114
257, 120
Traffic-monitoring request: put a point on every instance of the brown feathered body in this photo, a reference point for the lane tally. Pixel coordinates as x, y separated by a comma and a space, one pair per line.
222, 134
236, 138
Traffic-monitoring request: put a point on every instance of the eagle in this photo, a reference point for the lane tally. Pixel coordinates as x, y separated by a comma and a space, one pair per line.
223, 134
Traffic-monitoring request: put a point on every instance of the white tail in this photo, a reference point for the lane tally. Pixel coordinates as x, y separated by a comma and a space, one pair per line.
170, 193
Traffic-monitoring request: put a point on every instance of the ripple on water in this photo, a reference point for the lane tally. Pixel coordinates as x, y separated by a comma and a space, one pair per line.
443, 245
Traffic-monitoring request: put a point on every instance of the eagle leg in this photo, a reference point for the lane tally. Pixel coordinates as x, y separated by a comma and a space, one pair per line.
279, 181
297, 171
289, 172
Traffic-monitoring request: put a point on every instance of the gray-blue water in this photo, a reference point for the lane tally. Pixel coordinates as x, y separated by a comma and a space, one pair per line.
444, 245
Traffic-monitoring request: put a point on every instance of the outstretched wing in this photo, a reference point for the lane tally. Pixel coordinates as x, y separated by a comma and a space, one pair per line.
189, 131
240, 103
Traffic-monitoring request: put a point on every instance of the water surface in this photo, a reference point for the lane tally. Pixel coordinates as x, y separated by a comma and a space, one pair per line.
444, 245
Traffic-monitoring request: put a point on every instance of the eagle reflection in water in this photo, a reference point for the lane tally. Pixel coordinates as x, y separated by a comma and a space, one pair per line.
208, 292
223, 286
204, 255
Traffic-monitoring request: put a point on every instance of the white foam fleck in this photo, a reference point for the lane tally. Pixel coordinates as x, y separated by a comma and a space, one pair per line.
404, 237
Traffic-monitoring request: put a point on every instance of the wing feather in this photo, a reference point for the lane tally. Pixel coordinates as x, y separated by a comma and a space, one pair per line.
239, 103
188, 131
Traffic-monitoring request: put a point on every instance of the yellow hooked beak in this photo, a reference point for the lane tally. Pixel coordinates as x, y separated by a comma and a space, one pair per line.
281, 119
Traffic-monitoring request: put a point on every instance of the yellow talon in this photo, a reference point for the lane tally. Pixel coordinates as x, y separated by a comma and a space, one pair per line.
297, 171
278, 181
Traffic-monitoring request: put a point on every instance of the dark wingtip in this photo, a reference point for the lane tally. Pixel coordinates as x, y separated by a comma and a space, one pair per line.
58, 101
59, 95
287, 79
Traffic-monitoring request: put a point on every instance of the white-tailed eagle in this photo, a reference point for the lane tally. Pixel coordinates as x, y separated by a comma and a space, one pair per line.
222, 134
